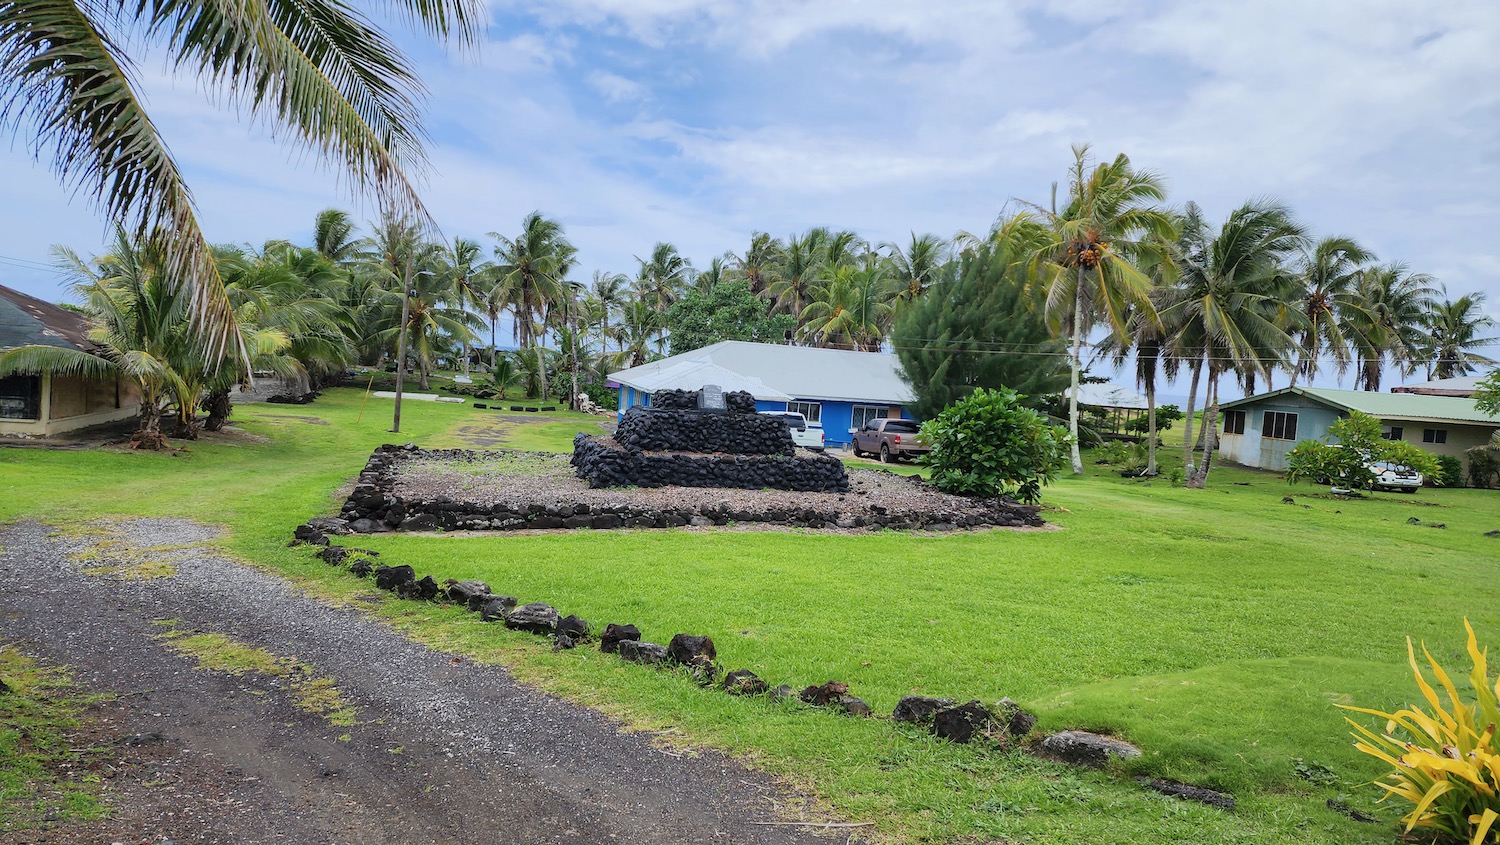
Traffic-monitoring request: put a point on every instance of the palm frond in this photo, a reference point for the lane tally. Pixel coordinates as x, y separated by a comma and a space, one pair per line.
63, 74
37, 359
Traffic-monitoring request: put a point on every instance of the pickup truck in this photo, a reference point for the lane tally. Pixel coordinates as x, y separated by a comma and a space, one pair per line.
890, 439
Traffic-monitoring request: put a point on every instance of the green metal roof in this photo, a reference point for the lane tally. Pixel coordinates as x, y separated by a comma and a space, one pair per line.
1386, 406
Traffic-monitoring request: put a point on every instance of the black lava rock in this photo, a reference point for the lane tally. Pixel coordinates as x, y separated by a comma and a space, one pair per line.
961, 723
361, 567
1017, 721
744, 682
692, 651
309, 535
472, 594
614, 635
919, 709
646, 653
496, 608
573, 627
391, 577
1081, 748
537, 618
1190, 793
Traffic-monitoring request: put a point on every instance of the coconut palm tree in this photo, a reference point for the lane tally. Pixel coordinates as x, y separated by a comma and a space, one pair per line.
850, 307
463, 271
802, 260
917, 266
529, 273
1086, 270
610, 291
1388, 324
1325, 296
716, 272
318, 71
1454, 327
638, 328
663, 277
1224, 308
760, 266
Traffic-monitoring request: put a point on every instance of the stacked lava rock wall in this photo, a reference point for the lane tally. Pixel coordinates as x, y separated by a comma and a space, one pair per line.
658, 430
605, 463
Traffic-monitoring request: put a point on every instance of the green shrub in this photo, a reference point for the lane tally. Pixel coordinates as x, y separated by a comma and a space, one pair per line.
1484, 465
986, 444
1346, 463
1450, 471
1113, 452
1487, 394
1165, 416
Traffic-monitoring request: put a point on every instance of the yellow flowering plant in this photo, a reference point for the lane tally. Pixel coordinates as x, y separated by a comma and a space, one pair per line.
1445, 762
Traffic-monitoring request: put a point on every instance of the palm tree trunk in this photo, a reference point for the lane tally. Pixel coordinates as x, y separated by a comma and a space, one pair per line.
148, 423
1210, 430
1074, 362
541, 370
494, 350
1151, 427
1187, 434
219, 408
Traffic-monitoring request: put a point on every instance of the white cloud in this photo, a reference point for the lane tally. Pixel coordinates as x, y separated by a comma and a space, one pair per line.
616, 88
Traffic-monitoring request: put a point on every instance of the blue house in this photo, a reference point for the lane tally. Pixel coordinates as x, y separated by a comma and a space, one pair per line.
835, 389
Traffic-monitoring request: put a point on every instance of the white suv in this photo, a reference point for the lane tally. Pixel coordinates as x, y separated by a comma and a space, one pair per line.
804, 435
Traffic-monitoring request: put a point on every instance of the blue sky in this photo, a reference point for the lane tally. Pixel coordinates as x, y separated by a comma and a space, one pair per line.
698, 121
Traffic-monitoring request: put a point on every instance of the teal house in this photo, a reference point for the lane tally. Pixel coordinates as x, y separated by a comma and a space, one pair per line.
1258, 431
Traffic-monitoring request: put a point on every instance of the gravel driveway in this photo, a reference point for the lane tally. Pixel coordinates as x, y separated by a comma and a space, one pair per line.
443, 751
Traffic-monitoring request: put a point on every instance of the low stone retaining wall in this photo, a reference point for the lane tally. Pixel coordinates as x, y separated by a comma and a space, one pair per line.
605, 462
374, 506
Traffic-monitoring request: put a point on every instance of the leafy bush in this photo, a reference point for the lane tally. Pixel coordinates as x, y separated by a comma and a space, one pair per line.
1450, 471
1347, 462
1113, 452
1487, 394
987, 443
1446, 763
1165, 416
1484, 464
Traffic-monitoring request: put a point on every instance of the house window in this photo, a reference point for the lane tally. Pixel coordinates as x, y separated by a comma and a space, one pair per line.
864, 413
1279, 425
1391, 432
810, 411
1234, 422
20, 398
1434, 435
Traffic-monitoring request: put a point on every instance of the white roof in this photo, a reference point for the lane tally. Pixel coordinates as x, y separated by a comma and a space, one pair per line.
1110, 396
691, 375
790, 372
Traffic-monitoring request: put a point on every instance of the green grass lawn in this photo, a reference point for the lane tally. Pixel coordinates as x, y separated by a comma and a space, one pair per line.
1214, 628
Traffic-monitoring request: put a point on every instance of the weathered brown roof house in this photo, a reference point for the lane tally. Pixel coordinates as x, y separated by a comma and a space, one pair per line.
44, 404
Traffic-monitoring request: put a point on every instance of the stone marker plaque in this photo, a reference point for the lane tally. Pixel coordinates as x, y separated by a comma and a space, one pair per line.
711, 398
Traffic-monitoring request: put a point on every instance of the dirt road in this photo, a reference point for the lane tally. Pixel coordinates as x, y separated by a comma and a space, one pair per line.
441, 751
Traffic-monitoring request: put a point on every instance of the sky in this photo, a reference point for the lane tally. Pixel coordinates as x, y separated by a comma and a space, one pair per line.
700, 121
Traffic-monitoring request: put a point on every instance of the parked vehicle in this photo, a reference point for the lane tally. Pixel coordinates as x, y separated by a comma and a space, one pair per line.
804, 435
1389, 476
890, 440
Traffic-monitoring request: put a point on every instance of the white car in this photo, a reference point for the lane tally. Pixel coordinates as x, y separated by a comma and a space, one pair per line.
804, 435
1389, 476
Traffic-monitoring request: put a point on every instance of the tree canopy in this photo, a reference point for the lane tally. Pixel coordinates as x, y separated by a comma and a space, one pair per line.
974, 332
727, 311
